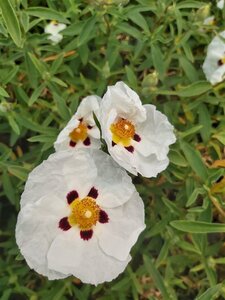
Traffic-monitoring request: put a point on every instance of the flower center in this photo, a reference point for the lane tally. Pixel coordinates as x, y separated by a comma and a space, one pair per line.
79, 133
84, 213
123, 129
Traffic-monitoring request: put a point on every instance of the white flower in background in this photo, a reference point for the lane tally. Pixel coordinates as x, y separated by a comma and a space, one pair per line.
209, 21
220, 4
214, 64
80, 215
53, 29
81, 131
138, 136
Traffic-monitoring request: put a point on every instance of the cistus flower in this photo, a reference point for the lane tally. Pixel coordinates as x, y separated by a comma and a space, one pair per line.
81, 131
80, 215
214, 64
220, 4
138, 136
209, 21
53, 29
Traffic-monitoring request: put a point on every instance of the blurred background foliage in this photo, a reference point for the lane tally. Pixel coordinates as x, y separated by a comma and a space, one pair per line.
157, 48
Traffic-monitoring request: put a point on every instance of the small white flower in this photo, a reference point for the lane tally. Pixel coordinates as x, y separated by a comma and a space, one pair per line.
214, 64
220, 4
81, 131
209, 21
80, 215
53, 29
138, 136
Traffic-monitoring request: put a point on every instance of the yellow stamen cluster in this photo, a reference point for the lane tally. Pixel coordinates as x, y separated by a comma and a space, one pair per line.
122, 132
79, 133
85, 213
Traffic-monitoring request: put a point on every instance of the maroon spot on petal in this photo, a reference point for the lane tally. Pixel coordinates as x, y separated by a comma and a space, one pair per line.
89, 127
113, 144
64, 224
71, 196
87, 142
81, 119
93, 193
220, 62
86, 234
103, 217
130, 149
137, 138
72, 144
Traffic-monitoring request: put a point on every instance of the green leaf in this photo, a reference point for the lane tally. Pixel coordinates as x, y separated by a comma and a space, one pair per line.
19, 172
197, 226
138, 19
11, 21
46, 13
36, 94
195, 89
3, 92
14, 125
158, 60
156, 277
87, 31
211, 293
195, 160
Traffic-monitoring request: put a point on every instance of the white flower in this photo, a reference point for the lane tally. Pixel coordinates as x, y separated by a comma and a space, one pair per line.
220, 4
209, 21
80, 215
53, 29
81, 131
214, 64
138, 136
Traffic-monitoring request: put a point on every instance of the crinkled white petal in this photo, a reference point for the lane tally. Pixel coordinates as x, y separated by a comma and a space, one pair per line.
83, 259
62, 172
209, 21
156, 134
121, 232
220, 4
56, 253
36, 228
216, 51
87, 107
54, 28
55, 38
124, 101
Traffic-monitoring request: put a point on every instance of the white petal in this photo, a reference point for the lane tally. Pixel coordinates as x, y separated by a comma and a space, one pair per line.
220, 4
83, 259
125, 101
55, 38
216, 51
36, 228
156, 134
62, 172
54, 28
114, 185
87, 106
126, 222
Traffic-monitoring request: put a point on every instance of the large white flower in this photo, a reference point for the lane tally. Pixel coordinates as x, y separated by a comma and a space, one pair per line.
214, 64
53, 29
80, 215
81, 131
138, 136
220, 4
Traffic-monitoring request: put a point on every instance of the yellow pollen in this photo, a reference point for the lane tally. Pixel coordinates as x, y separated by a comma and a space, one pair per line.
122, 132
84, 213
79, 133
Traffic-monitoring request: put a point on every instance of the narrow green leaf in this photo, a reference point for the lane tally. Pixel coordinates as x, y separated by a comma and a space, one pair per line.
36, 94
86, 32
197, 226
3, 92
46, 13
157, 278
195, 89
19, 172
211, 293
11, 21
195, 160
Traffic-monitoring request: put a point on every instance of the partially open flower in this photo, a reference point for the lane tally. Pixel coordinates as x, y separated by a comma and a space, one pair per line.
53, 29
220, 4
81, 130
210, 21
80, 216
138, 136
214, 64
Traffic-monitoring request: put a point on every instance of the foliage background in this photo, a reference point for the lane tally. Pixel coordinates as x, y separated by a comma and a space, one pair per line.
157, 47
